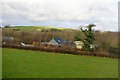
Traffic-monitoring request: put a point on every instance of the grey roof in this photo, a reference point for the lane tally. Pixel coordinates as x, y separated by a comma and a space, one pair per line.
61, 41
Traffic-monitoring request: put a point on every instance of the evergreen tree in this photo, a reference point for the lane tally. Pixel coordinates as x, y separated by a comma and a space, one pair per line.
89, 36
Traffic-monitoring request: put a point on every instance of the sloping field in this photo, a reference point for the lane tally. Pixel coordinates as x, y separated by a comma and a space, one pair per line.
36, 28
36, 64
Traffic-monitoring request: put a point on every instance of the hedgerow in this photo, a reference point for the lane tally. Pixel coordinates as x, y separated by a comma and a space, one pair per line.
62, 50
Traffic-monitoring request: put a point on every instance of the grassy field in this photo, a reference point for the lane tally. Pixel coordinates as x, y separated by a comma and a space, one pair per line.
36, 64
36, 28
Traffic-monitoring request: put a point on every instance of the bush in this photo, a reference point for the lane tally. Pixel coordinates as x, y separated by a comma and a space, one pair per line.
114, 50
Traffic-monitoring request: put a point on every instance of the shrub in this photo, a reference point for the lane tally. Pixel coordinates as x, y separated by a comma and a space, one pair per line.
114, 50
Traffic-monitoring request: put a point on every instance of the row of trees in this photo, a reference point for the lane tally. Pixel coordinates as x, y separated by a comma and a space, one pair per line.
30, 36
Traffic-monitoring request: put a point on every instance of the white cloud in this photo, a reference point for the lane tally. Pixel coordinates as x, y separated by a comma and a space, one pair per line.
103, 12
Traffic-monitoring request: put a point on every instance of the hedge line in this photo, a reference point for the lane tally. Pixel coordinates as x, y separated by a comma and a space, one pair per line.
62, 50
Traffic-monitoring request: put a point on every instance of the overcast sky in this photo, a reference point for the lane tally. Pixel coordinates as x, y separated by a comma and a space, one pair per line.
60, 13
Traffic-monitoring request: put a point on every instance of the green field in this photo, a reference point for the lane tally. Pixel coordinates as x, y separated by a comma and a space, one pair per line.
37, 64
36, 28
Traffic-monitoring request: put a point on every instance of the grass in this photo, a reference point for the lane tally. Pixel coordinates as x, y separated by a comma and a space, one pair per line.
37, 64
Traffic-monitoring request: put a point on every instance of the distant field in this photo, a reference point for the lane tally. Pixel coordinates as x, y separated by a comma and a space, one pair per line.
36, 64
36, 28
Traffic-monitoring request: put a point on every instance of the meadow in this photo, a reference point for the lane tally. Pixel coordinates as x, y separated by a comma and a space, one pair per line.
37, 64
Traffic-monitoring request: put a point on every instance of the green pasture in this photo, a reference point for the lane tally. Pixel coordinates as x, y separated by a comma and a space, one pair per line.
38, 64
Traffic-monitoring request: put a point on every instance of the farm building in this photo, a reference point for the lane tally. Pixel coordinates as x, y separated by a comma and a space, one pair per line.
79, 44
61, 42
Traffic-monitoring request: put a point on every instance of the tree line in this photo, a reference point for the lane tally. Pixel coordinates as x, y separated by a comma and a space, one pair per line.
104, 40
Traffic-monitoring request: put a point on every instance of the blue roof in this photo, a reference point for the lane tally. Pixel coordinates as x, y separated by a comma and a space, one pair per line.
64, 42
59, 40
